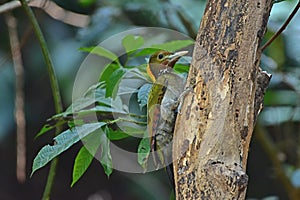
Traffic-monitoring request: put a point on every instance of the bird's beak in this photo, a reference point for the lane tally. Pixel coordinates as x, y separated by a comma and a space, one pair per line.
175, 56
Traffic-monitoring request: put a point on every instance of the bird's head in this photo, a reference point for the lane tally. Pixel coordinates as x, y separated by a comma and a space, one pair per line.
162, 60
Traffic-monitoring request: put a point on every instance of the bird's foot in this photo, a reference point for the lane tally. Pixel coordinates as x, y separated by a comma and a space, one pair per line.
181, 98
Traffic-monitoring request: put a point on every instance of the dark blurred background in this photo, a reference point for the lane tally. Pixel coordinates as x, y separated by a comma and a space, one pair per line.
275, 146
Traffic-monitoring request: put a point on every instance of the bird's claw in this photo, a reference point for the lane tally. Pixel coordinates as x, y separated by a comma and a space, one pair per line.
181, 98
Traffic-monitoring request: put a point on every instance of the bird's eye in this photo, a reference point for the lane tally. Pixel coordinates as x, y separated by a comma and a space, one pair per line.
160, 56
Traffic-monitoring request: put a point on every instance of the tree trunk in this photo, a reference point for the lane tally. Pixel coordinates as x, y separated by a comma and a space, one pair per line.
213, 130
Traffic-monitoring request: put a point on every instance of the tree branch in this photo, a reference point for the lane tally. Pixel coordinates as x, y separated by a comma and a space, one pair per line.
8, 6
51, 9
19, 99
213, 133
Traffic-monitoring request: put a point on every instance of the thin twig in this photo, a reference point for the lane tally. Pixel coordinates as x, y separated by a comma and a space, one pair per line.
19, 99
52, 9
8, 6
58, 13
54, 87
282, 27
7, 56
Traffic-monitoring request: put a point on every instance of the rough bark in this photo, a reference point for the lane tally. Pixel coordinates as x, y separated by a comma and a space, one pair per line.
213, 130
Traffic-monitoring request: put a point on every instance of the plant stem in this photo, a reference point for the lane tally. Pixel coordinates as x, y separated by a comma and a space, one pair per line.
50, 179
54, 87
282, 27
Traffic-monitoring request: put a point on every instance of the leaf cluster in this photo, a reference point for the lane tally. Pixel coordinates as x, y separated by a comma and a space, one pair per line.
112, 109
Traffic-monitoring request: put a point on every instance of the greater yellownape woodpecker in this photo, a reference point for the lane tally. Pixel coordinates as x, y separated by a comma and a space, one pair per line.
162, 106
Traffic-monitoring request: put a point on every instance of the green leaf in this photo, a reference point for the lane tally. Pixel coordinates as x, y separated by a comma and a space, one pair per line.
106, 160
146, 52
133, 130
87, 3
143, 152
99, 95
80, 104
62, 142
94, 96
116, 134
90, 98
114, 81
181, 68
99, 109
96, 88
100, 51
143, 94
108, 70
131, 81
48, 127
86, 154
82, 162
76, 122
174, 45
132, 43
